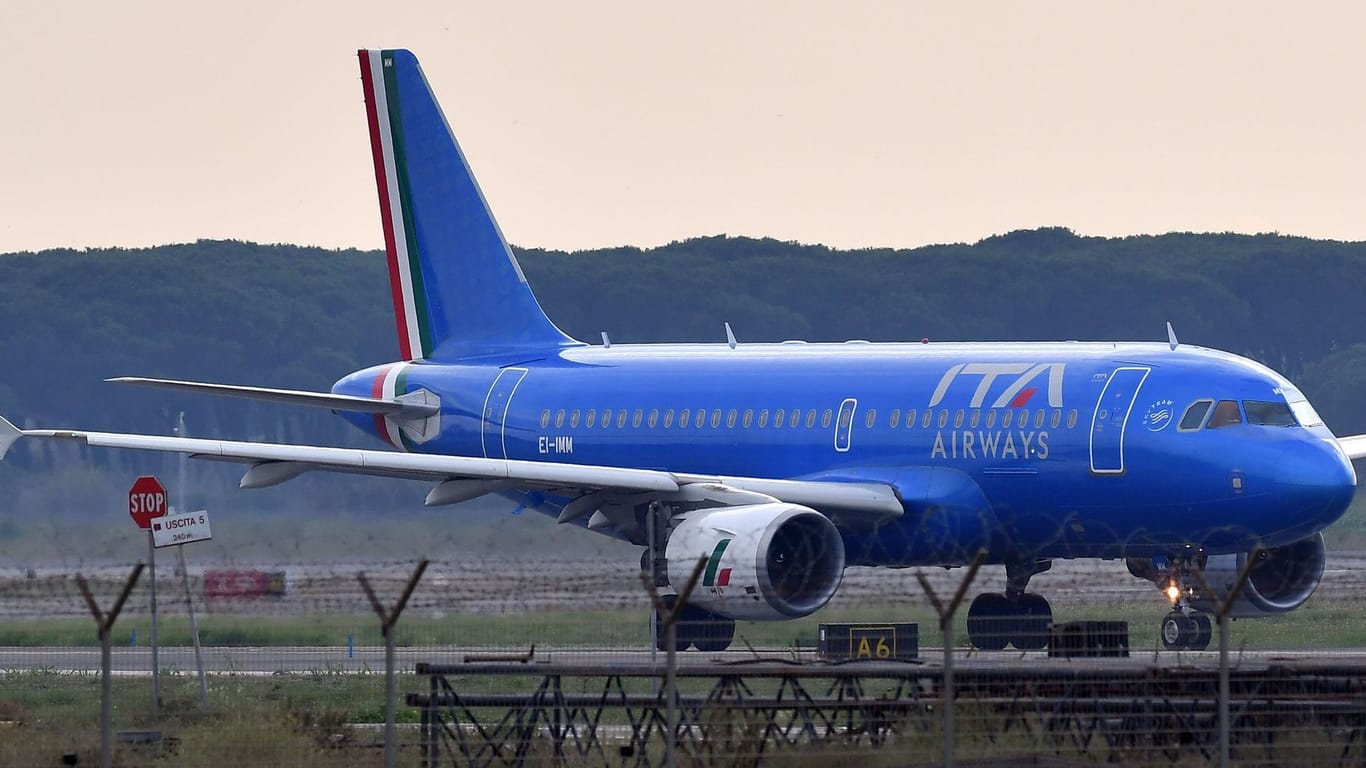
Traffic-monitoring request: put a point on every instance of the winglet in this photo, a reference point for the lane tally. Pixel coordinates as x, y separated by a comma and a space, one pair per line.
730, 336
1171, 336
8, 434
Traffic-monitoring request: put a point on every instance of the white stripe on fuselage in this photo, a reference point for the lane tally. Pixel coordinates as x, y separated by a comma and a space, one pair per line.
388, 393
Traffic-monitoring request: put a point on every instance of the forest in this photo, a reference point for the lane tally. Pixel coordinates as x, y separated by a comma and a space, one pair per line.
301, 317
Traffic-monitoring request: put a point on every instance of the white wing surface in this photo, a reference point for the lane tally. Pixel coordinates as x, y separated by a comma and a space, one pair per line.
272, 463
1354, 446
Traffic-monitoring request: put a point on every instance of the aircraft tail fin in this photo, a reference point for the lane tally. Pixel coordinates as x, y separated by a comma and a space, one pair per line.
457, 288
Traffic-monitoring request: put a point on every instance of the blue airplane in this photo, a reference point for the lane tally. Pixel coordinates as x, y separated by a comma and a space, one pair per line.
782, 464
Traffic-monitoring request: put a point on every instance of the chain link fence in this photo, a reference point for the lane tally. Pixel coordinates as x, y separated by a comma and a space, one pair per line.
552, 659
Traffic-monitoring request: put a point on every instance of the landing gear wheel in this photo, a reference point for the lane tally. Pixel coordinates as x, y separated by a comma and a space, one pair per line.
1035, 619
1178, 631
661, 637
713, 634
989, 621
1203, 632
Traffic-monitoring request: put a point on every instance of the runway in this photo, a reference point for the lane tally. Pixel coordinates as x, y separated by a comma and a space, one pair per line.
329, 660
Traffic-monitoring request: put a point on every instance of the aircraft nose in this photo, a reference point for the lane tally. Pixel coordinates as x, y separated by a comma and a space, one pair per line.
1317, 478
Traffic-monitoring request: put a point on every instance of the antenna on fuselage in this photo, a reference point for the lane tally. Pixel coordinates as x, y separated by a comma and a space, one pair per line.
730, 336
606, 341
1171, 336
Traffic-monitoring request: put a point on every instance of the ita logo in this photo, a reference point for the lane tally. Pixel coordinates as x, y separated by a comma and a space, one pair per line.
1159, 415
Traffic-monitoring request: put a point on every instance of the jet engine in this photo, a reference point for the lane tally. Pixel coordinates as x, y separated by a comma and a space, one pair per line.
1281, 579
763, 561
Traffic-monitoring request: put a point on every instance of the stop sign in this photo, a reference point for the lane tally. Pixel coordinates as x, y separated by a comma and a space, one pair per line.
146, 500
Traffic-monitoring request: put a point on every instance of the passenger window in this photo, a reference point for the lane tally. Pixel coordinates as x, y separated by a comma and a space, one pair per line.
925, 420
607, 417
715, 418
846, 418
545, 418
872, 418
1006, 416
635, 419
654, 417
574, 419
763, 418
778, 418
1072, 418
810, 418
894, 420
910, 418
975, 418
592, 417
1194, 416
668, 418
1225, 413
559, 418
1057, 418
943, 417
1022, 420
958, 418
730, 419
991, 419
825, 419
684, 418
748, 419
621, 418
1038, 418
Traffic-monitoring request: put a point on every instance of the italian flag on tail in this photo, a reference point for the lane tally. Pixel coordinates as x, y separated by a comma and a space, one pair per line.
386, 144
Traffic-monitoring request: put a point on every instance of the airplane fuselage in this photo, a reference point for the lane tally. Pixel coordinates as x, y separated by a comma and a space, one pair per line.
1026, 450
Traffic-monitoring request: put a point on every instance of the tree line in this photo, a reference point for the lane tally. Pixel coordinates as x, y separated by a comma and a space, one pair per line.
301, 317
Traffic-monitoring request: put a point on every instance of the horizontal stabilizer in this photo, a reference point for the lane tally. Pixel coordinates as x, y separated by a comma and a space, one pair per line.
398, 408
8, 434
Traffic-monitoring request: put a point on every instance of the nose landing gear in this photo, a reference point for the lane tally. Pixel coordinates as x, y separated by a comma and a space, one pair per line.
1186, 630
1183, 629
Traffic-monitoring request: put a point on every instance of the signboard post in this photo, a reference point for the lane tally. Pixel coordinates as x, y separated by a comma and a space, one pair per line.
146, 502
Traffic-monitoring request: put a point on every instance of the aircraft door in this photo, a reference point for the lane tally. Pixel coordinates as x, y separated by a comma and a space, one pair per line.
1112, 416
844, 425
496, 405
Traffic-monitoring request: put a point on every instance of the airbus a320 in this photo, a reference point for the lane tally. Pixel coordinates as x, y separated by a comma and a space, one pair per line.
783, 464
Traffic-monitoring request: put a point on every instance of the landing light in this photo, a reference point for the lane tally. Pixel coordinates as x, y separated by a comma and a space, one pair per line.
1173, 592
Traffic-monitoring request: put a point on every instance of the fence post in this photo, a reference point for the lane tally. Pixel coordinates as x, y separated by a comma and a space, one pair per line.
105, 623
671, 618
1223, 605
387, 619
946, 614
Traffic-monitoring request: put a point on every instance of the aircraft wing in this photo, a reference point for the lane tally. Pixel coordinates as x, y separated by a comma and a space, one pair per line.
1354, 446
273, 463
399, 407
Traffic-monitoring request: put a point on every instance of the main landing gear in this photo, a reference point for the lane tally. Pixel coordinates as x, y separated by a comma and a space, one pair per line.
1019, 618
698, 628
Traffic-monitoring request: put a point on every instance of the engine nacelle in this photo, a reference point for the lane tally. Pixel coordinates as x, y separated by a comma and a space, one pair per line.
1281, 579
764, 561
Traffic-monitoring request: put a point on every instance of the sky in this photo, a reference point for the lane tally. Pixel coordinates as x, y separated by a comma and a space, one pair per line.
592, 124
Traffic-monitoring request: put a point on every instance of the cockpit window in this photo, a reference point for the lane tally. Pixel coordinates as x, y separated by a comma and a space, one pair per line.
1305, 414
1225, 413
1268, 414
1195, 415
